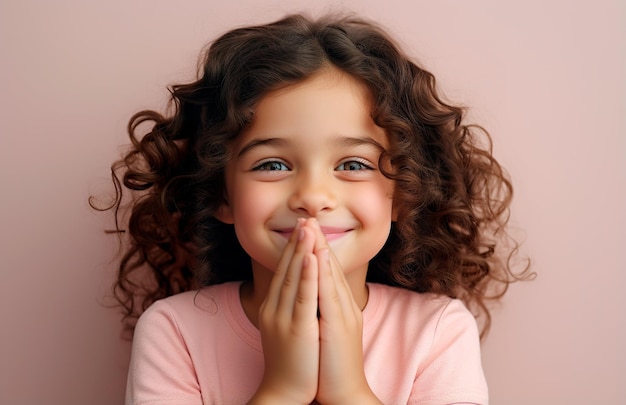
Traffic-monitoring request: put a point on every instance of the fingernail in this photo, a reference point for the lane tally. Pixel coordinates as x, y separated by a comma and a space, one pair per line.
298, 225
301, 234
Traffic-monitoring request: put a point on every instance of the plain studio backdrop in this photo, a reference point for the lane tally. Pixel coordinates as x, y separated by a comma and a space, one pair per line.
546, 78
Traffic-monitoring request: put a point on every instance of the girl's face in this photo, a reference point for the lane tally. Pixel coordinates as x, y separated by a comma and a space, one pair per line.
311, 151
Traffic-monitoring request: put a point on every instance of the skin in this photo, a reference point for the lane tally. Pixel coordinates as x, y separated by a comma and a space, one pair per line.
311, 208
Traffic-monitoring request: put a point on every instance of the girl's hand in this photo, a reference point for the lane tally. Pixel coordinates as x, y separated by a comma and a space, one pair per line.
342, 376
289, 325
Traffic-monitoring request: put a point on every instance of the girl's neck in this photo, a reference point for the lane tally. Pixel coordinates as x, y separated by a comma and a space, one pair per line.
251, 296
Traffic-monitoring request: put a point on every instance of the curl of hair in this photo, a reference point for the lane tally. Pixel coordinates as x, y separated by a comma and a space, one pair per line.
451, 195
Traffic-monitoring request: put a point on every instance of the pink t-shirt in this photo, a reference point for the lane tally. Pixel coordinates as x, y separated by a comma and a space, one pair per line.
200, 348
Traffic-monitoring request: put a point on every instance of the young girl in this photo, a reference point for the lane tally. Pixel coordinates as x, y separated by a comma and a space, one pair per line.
312, 218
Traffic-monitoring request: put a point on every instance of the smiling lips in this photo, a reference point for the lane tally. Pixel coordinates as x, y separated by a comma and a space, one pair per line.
330, 232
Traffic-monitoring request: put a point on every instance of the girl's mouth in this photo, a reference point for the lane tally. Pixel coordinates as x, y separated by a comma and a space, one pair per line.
331, 233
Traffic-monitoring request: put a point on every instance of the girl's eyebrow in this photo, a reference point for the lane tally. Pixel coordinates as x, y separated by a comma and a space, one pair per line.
358, 141
259, 142
340, 141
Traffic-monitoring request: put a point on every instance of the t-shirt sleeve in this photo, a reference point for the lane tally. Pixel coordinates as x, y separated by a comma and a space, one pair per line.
452, 372
161, 371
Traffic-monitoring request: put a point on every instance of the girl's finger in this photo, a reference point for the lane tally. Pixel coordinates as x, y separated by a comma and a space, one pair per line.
341, 283
320, 238
336, 301
305, 304
333, 284
291, 281
271, 300
329, 301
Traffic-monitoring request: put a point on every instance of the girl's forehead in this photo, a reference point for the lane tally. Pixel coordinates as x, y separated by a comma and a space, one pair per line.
325, 79
329, 104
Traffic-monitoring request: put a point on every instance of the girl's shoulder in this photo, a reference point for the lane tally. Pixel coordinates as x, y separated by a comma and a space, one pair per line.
203, 298
397, 297
428, 341
414, 311
213, 301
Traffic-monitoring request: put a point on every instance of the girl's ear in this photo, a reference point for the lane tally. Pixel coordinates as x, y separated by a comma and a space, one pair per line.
225, 214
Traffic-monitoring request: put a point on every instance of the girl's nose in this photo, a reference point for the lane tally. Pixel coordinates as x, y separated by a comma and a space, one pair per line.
312, 195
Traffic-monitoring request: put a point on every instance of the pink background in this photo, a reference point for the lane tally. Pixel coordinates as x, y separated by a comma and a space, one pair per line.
545, 77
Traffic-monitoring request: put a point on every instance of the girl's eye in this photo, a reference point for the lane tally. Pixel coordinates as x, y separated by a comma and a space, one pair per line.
352, 165
271, 166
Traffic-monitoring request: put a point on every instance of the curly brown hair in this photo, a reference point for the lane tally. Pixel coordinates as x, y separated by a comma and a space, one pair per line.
452, 196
